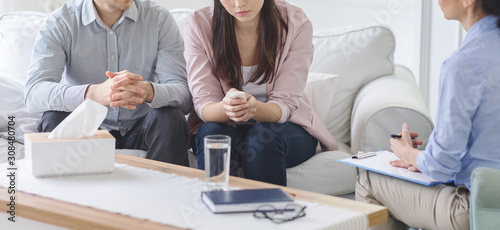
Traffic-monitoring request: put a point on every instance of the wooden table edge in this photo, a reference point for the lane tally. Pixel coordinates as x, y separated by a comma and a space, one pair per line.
56, 212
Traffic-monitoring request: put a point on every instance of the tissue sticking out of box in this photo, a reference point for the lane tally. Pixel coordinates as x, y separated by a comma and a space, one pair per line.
82, 122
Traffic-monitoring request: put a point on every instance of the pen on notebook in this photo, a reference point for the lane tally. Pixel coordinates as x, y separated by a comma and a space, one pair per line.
362, 155
399, 136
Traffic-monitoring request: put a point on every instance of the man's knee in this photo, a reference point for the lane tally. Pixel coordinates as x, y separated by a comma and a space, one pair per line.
50, 120
167, 118
168, 114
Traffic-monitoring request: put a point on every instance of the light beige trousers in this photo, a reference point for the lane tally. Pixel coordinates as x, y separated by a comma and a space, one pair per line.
418, 206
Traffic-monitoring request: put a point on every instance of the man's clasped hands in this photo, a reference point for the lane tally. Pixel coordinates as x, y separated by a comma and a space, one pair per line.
121, 89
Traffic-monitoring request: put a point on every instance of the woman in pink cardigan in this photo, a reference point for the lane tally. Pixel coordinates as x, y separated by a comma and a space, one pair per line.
264, 48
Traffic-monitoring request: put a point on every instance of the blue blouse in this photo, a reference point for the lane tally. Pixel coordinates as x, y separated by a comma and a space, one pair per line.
467, 133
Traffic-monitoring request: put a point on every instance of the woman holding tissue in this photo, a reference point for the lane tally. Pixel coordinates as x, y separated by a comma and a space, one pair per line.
465, 136
263, 48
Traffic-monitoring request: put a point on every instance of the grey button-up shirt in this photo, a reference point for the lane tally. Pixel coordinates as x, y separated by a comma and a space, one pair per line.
74, 48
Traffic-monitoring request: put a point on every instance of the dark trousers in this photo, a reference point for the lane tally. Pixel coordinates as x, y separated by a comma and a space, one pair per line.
265, 150
162, 133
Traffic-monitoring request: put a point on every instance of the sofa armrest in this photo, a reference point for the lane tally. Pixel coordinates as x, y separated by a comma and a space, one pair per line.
381, 107
485, 199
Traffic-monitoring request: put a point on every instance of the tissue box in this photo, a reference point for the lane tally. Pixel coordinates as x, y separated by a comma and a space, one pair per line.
56, 157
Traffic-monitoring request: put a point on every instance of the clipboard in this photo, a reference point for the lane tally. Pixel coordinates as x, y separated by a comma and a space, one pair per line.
379, 163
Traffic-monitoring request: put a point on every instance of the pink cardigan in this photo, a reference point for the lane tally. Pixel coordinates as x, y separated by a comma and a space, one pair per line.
287, 91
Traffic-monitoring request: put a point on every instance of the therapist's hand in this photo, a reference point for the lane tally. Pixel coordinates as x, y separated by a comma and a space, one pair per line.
414, 140
404, 149
403, 164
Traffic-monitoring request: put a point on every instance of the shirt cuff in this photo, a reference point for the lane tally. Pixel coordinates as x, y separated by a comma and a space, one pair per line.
199, 111
74, 96
284, 111
157, 95
421, 165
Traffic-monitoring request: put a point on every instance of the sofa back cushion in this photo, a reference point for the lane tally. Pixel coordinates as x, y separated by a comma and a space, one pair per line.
358, 54
181, 16
17, 35
319, 89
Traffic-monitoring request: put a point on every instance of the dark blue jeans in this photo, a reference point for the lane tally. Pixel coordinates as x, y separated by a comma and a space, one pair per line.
265, 150
162, 133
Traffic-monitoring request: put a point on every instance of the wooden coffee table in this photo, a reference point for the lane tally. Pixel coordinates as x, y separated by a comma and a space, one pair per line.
79, 217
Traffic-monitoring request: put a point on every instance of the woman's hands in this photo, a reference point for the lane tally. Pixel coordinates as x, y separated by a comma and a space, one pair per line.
404, 148
238, 109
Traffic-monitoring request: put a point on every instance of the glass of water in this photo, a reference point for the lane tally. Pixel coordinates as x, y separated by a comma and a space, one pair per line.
217, 158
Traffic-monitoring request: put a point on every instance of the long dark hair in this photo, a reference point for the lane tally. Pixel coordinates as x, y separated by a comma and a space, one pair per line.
272, 33
489, 7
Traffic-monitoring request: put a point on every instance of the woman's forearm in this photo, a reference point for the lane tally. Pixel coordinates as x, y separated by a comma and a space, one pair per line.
267, 112
214, 112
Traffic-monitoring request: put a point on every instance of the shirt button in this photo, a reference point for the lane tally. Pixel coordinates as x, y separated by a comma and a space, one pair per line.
112, 57
115, 108
111, 32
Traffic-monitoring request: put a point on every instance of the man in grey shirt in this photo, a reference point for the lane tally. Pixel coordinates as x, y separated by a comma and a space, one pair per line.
124, 54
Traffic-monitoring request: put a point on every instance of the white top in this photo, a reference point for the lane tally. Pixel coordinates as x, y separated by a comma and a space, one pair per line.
258, 91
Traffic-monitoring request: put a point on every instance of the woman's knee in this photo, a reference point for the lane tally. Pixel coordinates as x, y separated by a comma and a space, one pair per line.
263, 134
212, 128
261, 141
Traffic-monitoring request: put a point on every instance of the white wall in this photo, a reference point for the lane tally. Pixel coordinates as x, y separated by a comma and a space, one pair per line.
446, 37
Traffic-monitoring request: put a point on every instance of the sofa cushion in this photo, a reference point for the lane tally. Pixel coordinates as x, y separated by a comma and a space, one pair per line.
320, 92
324, 174
17, 35
12, 104
358, 55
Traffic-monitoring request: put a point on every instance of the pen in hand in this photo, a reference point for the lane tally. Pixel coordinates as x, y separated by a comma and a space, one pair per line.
399, 136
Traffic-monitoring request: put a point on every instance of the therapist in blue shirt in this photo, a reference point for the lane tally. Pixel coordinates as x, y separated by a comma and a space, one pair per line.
124, 54
465, 136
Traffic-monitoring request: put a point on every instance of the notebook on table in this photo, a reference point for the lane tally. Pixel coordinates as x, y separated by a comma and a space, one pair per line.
248, 200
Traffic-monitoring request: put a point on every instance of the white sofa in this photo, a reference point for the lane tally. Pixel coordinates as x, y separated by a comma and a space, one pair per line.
369, 99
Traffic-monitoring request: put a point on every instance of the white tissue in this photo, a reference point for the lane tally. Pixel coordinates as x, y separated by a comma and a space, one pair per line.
82, 122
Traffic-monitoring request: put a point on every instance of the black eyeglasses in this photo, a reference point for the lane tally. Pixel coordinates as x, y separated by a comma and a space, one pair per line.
289, 213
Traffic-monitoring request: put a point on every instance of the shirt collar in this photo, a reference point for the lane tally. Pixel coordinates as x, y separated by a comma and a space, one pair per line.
132, 12
89, 13
482, 26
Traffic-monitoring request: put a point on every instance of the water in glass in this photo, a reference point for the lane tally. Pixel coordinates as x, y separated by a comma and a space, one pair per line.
217, 165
